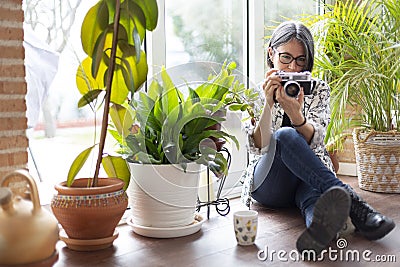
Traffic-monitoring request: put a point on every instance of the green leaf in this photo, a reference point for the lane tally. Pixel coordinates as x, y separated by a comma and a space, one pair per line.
132, 18
232, 66
145, 158
93, 25
222, 164
77, 164
119, 90
145, 112
134, 21
150, 11
139, 70
138, 43
170, 98
111, 9
97, 56
118, 137
135, 143
237, 107
127, 73
155, 90
89, 97
196, 118
117, 167
85, 82
122, 119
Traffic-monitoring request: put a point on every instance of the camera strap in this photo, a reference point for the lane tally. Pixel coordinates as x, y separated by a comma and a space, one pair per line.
286, 121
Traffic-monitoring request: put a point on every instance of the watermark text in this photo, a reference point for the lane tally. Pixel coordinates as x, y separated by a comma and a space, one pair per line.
340, 254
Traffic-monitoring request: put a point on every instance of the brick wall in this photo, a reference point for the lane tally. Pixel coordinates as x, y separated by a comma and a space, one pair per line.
13, 122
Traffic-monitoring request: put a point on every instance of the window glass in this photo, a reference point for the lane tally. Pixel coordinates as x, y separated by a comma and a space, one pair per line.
277, 11
207, 31
204, 30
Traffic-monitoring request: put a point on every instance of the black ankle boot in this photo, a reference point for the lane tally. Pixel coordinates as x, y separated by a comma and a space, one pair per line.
330, 214
367, 221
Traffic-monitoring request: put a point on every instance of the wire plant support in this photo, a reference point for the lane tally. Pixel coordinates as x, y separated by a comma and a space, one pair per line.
221, 204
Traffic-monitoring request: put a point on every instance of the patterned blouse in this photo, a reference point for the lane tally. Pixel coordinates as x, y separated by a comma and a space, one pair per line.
316, 109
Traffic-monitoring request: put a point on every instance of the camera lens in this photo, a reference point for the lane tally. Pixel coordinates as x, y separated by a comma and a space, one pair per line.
292, 88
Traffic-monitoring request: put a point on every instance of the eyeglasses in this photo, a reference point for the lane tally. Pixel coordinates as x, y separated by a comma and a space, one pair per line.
286, 58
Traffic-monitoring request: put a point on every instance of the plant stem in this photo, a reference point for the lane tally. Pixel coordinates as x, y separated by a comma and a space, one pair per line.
107, 99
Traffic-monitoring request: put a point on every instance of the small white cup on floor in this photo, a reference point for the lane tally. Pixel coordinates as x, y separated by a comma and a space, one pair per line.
245, 226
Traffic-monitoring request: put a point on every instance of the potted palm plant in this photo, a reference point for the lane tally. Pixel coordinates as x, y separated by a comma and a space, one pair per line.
112, 32
168, 136
358, 55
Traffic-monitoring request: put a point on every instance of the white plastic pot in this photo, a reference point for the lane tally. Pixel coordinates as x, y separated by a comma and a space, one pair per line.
163, 195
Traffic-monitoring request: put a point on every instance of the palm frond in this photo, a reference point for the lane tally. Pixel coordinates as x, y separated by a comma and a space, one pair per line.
357, 52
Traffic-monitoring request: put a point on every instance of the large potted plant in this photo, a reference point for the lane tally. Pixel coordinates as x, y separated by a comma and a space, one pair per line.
112, 32
358, 55
168, 136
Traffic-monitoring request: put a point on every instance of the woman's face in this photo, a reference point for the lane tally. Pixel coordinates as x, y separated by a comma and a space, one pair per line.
292, 51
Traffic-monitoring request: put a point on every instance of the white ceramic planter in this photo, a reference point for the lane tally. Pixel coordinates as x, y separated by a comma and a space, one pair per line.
163, 195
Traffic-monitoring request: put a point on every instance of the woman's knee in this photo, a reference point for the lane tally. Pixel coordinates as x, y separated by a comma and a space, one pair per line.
286, 134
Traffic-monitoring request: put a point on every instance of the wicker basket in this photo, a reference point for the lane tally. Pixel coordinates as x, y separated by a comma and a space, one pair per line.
378, 160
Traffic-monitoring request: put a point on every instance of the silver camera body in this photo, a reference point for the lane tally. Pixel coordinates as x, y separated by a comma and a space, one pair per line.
293, 81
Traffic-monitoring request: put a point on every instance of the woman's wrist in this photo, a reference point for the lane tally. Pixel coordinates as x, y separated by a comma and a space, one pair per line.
301, 124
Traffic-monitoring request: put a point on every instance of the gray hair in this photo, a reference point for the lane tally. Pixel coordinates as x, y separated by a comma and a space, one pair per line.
289, 30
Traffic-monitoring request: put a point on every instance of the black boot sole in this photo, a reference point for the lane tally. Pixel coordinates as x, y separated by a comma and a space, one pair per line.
385, 228
330, 214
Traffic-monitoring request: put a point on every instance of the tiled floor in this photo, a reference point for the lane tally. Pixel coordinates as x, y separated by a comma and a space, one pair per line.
215, 244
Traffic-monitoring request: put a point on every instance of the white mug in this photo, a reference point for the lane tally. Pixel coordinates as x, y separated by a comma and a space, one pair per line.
245, 226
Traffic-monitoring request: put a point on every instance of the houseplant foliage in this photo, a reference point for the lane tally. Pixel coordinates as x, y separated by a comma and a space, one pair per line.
357, 54
112, 33
171, 128
167, 133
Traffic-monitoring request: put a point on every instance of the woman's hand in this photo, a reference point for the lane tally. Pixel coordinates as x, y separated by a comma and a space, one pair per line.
271, 84
274, 91
291, 105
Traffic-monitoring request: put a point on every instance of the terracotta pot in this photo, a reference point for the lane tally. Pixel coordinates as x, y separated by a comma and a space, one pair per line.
335, 161
219, 143
88, 213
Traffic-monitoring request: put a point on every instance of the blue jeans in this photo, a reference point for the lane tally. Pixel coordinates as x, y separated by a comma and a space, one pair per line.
291, 174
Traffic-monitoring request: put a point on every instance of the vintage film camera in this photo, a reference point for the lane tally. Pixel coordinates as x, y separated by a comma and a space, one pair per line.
292, 81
